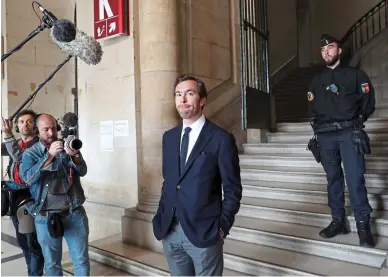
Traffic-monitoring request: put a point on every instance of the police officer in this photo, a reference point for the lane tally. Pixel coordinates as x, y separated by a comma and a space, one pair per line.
341, 98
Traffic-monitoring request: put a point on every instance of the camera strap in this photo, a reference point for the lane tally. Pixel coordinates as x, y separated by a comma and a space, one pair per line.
70, 178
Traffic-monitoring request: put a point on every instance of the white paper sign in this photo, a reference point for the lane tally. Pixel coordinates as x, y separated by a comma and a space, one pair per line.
121, 128
106, 135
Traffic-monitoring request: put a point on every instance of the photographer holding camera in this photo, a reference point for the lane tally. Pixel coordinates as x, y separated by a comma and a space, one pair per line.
14, 148
53, 169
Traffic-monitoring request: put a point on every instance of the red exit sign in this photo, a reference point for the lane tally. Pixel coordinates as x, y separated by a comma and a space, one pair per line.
111, 18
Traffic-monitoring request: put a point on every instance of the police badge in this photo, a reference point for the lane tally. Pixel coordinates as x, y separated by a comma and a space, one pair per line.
365, 88
310, 96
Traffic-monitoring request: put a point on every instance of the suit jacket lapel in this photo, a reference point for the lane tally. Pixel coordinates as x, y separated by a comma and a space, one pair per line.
201, 142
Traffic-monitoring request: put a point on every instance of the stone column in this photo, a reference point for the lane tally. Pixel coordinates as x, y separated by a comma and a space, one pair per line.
158, 67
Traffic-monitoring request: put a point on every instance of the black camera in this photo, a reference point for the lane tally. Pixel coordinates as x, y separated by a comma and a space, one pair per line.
69, 132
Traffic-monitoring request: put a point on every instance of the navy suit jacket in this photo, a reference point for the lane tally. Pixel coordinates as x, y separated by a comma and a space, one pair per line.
196, 196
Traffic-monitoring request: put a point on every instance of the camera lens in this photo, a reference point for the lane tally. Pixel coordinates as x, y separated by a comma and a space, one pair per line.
75, 144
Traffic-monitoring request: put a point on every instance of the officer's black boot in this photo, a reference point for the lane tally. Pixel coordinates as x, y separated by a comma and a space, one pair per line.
336, 227
364, 233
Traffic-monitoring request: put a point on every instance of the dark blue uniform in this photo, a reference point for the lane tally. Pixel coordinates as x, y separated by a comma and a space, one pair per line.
340, 101
352, 102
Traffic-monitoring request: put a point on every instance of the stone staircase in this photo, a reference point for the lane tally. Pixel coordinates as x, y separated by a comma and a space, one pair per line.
290, 94
284, 206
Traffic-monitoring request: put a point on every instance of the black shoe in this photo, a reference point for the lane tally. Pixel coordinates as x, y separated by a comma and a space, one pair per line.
365, 234
336, 227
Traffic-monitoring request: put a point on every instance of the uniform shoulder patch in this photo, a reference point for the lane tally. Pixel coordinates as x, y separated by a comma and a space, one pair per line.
365, 88
310, 96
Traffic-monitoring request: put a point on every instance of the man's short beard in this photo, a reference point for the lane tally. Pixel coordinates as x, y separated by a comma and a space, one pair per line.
28, 134
333, 60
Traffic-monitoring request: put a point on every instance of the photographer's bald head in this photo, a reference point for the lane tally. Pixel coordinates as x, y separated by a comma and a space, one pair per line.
47, 127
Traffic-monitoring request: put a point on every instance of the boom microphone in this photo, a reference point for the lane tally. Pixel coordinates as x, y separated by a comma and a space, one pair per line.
70, 119
49, 15
64, 30
83, 46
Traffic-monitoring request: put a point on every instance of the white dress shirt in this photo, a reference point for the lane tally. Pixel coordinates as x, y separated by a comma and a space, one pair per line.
196, 128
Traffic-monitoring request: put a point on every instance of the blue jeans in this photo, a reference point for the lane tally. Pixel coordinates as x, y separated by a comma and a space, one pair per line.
76, 233
31, 250
185, 259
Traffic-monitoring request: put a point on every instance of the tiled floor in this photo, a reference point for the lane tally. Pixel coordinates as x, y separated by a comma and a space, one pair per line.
13, 263
12, 259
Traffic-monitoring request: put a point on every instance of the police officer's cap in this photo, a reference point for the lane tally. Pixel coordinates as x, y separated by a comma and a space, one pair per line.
327, 39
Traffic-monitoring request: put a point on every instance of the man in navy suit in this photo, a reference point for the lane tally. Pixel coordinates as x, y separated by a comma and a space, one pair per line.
200, 160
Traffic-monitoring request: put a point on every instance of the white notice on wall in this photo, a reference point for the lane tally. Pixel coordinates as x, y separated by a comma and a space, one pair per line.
106, 135
121, 128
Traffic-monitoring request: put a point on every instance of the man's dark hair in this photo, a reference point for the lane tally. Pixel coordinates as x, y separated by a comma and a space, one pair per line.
202, 91
25, 112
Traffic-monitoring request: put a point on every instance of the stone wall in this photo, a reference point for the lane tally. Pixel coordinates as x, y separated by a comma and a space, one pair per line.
374, 61
32, 64
107, 92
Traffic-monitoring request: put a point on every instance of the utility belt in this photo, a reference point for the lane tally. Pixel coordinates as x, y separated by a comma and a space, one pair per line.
55, 224
360, 139
61, 213
334, 126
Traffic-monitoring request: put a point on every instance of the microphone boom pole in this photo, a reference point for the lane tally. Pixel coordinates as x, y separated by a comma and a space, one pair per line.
34, 33
40, 86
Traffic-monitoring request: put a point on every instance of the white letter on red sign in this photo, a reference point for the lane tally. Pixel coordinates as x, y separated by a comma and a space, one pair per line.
104, 5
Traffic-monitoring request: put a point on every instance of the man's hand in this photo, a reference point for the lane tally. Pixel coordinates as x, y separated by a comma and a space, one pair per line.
222, 235
56, 147
361, 141
6, 127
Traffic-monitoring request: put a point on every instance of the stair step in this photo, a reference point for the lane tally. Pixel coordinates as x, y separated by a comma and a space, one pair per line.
318, 215
311, 264
378, 198
285, 110
143, 262
244, 258
290, 94
134, 260
291, 119
150, 263
285, 91
305, 239
308, 161
291, 105
297, 187
299, 149
296, 80
284, 107
374, 178
375, 124
300, 137
96, 268
259, 258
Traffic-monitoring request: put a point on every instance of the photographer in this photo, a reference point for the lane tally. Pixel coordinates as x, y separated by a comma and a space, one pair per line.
53, 171
14, 148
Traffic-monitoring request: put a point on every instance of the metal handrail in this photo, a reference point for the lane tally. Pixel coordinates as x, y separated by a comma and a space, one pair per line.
368, 26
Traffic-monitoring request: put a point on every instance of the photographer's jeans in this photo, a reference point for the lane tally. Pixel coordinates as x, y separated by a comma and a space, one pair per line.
76, 234
31, 250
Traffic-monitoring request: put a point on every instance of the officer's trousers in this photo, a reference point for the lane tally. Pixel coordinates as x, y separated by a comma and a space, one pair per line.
336, 147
